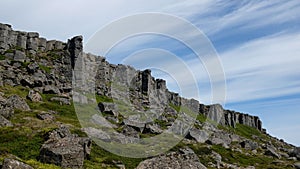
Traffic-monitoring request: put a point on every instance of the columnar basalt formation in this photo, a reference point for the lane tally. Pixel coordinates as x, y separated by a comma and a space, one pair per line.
143, 90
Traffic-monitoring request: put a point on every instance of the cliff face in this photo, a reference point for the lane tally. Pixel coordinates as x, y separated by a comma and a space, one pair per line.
38, 120
146, 91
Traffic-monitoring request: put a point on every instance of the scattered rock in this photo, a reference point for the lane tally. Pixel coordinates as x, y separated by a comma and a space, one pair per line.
249, 145
134, 121
45, 116
18, 103
295, 153
65, 149
4, 122
153, 128
131, 132
19, 56
271, 152
61, 100
14, 164
6, 110
51, 90
34, 96
108, 108
199, 135
185, 159
297, 165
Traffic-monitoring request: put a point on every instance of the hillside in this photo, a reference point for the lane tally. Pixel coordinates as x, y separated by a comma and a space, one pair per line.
39, 126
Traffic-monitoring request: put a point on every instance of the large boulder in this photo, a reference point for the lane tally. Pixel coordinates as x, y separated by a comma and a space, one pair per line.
249, 145
199, 135
6, 110
270, 151
14, 164
51, 90
65, 149
184, 159
34, 96
18, 102
61, 100
4, 122
295, 153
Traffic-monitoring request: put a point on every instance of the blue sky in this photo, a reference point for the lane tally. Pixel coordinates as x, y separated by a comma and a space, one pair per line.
258, 43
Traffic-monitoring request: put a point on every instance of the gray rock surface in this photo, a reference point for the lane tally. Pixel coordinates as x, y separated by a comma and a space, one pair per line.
14, 164
4, 122
185, 159
64, 149
46, 116
297, 165
34, 96
61, 100
249, 145
17, 102
199, 135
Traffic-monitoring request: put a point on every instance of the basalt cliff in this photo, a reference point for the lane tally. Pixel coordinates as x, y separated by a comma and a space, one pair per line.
39, 127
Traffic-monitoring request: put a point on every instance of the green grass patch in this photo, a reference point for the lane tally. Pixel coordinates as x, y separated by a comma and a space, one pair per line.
2, 57
99, 156
201, 118
247, 131
47, 69
177, 108
101, 98
21, 142
18, 90
38, 165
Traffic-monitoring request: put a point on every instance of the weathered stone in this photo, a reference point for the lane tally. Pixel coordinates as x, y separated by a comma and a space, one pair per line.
248, 144
4, 122
295, 153
271, 152
14, 164
153, 128
22, 39
216, 113
42, 42
134, 121
50, 45
34, 96
51, 90
18, 103
297, 165
45, 116
26, 81
75, 47
6, 110
61, 100
19, 56
199, 135
32, 41
109, 108
32, 68
185, 159
64, 149
100, 120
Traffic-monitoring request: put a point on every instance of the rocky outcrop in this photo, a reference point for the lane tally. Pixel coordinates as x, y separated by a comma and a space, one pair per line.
29, 41
229, 117
4, 122
14, 164
54, 76
65, 149
295, 153
184, 159
17, 102
34, 96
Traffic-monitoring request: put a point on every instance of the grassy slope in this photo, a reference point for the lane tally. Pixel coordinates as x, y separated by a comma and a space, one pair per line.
27, 136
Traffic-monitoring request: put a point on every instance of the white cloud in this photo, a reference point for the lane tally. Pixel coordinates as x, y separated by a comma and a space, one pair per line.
267, 67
